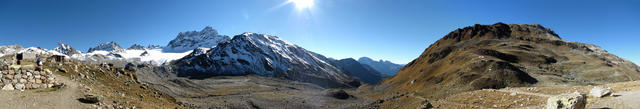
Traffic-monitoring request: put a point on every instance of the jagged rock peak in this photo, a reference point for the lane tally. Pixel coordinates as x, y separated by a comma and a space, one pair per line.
185, 41
154, 47
66, 49
136, 47
501, 30
108, 46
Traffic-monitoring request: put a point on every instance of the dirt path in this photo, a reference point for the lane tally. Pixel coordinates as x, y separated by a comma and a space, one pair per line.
65, 98
623, 100
525, 93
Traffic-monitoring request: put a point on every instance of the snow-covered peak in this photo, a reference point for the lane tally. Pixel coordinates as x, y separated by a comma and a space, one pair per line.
251, 53
185, 41
109, 46
66, 49
9, 49
38, 50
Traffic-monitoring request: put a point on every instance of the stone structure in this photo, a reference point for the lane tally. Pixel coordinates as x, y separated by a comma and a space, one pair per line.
23, 79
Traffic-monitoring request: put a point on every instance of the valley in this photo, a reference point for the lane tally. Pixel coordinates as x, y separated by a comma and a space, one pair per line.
480, 66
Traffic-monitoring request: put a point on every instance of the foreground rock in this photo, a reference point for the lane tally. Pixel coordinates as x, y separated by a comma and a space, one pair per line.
600, 91
339, 94
8, 87
92, 99
574, 100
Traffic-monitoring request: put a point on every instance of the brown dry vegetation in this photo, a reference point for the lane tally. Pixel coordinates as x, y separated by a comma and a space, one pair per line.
499, 56
116, 85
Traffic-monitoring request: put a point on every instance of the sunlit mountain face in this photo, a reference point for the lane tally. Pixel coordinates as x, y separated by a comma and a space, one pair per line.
319, 54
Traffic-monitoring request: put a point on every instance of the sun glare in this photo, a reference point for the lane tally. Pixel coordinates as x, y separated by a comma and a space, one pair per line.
302, 4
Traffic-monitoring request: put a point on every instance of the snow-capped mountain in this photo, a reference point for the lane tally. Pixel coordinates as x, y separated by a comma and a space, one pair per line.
382, 66
251, 53
66, 49
9, 49
185, 41
136, 47
109, 46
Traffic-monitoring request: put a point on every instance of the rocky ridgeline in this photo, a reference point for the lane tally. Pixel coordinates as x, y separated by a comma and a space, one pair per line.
27, 79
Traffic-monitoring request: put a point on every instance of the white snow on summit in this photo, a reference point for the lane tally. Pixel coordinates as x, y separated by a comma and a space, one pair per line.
185, 41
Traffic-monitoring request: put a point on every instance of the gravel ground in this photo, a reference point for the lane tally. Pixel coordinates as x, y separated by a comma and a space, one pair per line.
65, 98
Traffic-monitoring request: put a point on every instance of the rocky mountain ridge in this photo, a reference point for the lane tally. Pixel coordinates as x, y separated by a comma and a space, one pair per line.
507, 55
251, 53
382, 66
107, 46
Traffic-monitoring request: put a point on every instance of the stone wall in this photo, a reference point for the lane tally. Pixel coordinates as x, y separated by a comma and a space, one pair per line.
25, 79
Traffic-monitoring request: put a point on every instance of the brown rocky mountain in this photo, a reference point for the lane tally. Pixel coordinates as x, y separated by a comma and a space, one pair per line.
506, 55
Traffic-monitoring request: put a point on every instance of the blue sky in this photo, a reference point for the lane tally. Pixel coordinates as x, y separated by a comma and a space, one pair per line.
395, 30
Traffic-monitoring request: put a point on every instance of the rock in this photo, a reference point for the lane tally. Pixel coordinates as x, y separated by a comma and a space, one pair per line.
130, 67
35, 86
8, 87
600, 91
426, 105
19, 86
61, 70
573, 100
339, 94
8, 77
89, 98
17, 76
23, 81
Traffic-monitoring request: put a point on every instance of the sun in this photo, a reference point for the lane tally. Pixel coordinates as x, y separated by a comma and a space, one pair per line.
302, 4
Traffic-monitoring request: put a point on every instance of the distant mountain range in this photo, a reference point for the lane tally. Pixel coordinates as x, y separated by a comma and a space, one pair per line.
385, 67
205, 53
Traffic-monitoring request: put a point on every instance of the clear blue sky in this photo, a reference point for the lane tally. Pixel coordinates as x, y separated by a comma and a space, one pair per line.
395, 30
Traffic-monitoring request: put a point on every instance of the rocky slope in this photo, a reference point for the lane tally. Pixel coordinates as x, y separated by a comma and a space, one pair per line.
185, 41
109, 46
264, 55
384, 67
507, 55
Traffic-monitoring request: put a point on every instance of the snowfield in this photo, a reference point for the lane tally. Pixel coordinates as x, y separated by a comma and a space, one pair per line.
153, 56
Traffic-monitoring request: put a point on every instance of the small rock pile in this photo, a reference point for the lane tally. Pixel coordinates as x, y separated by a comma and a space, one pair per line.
27, 79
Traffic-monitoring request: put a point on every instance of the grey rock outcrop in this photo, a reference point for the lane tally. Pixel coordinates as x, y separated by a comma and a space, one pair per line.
600, 91
574, 100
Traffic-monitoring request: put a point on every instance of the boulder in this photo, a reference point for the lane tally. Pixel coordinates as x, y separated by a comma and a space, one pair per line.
8, 87
426, 105
339, 94
92, 99
130, 67
573, 100
63, 70
600, 91
20, 86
